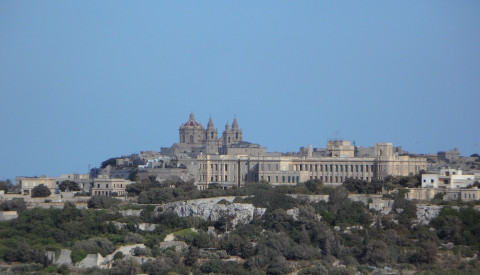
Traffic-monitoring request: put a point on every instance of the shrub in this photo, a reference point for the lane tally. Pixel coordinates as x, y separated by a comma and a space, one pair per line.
23, 253
16, 204
215, 266
26, 268
133, 238
102, 202
118, 255
138, 251
95, 245
78, 255
40, 191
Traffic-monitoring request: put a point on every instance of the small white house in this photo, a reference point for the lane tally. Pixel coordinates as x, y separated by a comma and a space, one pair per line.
447, 178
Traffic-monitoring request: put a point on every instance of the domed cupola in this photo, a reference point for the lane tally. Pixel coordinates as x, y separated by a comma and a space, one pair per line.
191, 132
191, 123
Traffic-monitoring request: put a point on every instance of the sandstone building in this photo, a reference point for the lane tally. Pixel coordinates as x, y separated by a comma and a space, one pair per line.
230, 161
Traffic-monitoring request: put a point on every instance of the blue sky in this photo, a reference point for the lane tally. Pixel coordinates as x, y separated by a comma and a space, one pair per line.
82, 81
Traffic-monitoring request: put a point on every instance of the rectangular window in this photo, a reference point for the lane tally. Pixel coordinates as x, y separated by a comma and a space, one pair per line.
226, 167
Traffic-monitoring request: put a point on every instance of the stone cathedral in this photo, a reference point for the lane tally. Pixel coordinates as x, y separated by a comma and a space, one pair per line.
229, 161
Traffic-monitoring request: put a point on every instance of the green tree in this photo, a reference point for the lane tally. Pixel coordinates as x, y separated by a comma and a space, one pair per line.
40, 191
192, 256
102, 202
110, 161
15, 204
6, 185
68, 185
127, 266
313, 185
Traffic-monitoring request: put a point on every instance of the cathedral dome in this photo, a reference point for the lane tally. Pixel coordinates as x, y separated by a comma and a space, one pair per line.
191, 124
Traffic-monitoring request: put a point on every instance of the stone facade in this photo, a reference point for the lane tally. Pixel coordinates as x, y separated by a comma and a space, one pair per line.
109, 187
28, 183
236, 170
426, 194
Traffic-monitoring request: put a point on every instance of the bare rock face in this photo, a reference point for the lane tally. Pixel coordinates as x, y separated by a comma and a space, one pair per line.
92, 260
62, 259
216, 208
426, 213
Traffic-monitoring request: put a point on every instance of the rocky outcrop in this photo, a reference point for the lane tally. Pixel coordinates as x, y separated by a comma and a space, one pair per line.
92, 260
139, 226
126, 213
8, 215
215, 208
62, 259
176, 245
97, 260
126, 250
426, 213
146, 226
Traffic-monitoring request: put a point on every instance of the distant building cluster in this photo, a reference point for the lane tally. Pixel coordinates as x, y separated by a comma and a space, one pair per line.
452, 184
206, 158
230, 161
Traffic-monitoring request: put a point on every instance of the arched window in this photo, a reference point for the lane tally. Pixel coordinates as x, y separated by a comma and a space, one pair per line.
191, 139
236, 135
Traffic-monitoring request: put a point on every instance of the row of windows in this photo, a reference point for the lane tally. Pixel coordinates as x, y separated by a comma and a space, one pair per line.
470, 196
114, 185
217, 178
333, 167
302, 167
216, 167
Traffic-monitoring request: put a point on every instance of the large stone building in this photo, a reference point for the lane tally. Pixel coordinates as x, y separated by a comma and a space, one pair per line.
227, 160
236, 170
28, 183
195, 140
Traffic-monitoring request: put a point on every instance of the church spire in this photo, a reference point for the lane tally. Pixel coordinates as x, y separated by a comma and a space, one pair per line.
235, 124
210, 124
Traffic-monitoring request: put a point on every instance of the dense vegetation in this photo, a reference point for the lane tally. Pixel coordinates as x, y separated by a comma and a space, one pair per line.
340, 236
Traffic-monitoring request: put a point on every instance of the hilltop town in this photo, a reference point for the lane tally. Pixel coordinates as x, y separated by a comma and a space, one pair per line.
219, 204
207, 160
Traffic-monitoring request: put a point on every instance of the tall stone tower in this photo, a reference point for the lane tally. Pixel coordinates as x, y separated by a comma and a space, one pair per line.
211, 138
233, 135
191, 132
